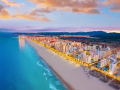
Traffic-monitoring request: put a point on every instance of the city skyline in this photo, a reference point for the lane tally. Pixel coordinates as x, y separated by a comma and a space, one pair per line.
59, 15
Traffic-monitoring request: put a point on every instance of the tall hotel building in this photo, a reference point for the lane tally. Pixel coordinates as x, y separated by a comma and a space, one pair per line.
101, 54
88, 59
113, 64
83, 56
65, 48
94, 48
95, 58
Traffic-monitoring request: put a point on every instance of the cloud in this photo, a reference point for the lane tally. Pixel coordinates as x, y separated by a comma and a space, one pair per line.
83, 6
23, 4
79, 6
16, 10
114, 4
3, 12
10, 3
115, 8
1, 7
35, 11
46, 8
88, 11
33, 15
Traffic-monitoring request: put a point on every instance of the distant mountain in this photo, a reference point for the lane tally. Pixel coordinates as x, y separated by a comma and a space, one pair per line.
114, 36
65, 33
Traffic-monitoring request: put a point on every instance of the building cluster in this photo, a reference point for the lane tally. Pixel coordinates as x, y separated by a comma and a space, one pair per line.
75, 36
82, 52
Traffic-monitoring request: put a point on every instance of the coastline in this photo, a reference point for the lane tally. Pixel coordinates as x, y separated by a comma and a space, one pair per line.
67, 86
72, 82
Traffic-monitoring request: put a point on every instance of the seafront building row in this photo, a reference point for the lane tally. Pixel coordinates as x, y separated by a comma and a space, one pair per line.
106, 59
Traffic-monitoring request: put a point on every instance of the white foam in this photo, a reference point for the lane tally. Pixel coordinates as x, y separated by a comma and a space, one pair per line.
39, 64
48, 72
52, 87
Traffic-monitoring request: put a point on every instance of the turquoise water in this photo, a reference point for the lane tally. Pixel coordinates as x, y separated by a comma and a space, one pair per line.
22, 69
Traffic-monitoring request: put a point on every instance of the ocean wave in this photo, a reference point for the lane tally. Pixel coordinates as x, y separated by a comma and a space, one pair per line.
49, 73
52, 87
38, 63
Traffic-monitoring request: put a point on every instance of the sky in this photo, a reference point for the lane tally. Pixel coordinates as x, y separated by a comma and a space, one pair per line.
59, 15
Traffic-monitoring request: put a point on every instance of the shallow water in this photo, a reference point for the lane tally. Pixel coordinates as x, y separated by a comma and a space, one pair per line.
22, 69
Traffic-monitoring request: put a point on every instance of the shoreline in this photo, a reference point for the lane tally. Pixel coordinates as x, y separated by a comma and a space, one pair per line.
67, 86
72, 77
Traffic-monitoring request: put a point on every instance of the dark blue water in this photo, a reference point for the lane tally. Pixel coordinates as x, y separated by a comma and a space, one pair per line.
22, 69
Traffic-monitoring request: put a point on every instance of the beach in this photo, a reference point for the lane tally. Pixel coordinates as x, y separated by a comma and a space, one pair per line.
71, 75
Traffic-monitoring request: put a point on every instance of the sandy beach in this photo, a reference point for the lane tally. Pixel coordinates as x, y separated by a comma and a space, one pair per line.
72, 76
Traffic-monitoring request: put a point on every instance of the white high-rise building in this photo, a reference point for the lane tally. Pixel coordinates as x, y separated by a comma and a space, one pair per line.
92, 53
95, 58
67, 48
83, 56
71, 49
88, 59
113, 64
85, 48
94, 48
64, 48
101, 54
89, 48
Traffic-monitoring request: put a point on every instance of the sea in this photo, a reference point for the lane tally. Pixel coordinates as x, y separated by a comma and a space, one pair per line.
22, 69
